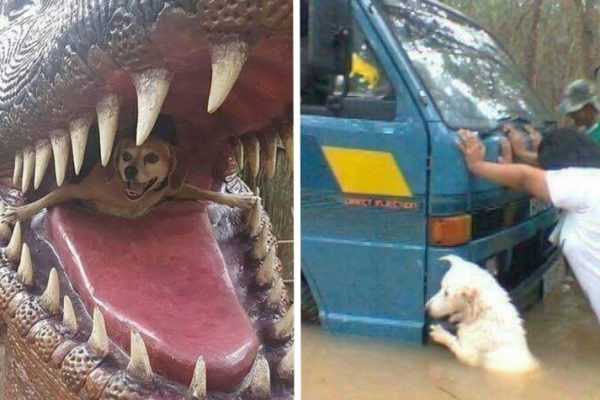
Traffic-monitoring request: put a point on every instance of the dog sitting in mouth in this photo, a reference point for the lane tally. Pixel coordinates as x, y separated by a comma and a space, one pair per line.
489, 331
147, 176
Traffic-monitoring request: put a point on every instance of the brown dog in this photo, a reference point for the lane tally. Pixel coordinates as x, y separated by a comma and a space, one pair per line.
148, 176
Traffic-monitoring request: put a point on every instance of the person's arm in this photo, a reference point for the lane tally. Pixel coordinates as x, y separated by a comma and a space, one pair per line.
519, 146
517, 176
536, 137
527, 156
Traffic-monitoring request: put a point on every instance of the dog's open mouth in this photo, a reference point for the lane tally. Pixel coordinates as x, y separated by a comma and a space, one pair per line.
136, 190
199, 281
455, 318
452, 317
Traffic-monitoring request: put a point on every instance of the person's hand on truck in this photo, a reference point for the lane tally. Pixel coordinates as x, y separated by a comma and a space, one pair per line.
476, 149
517, 176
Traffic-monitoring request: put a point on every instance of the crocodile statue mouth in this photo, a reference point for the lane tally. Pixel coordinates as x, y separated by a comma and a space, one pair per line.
185, 301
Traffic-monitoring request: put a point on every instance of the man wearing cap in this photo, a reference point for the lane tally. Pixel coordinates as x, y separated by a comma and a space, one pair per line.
580, 102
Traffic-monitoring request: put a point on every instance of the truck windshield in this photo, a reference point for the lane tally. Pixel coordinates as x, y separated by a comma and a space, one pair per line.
473, 82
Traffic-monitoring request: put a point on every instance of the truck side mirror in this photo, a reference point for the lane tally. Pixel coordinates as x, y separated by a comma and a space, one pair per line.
330, 36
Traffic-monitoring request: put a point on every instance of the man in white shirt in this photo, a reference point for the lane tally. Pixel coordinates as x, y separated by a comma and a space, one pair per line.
569, 177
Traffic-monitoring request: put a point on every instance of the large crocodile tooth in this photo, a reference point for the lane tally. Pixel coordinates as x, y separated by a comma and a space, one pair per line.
18, 169
28, 167
60, 148
252, 154
80, 129
259, 251
25, 270
265, 273
276, 294
107, 110
98, 340
285, 368
13, 250
50, 299
198, 386
269, 153
69, 317
260, 385
43, 152
152, 87
287, 138
227, 60
284, 328
254, 219
139, 362
238, 151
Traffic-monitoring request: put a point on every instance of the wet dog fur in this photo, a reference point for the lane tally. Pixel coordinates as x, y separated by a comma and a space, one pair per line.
490, 333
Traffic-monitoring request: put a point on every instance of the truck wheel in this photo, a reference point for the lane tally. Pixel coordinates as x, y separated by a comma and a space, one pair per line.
310, 311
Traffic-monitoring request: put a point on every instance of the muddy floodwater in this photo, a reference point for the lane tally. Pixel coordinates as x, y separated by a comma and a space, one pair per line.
563, 333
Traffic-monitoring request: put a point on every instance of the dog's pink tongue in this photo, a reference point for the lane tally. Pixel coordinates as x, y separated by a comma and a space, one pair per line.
164, 274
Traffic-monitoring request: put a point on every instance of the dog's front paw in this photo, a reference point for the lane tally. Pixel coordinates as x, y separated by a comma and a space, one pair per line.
246, 202
438, 334
13, 214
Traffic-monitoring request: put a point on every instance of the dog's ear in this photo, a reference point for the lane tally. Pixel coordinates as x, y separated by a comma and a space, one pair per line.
113, 166
471, 294
176, 175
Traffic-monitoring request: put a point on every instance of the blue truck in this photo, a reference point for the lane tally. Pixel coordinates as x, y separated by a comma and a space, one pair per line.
385, 86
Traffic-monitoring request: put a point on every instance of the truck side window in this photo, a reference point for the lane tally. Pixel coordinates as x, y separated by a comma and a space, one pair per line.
365, 93
367, 78
370, 95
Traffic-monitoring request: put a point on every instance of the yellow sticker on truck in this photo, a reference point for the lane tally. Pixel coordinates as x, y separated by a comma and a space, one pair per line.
362, 171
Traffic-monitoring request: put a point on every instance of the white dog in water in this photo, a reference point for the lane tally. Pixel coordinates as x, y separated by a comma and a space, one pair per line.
490, 332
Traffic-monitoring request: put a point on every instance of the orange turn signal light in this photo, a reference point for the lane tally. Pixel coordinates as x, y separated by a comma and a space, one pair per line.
450, 231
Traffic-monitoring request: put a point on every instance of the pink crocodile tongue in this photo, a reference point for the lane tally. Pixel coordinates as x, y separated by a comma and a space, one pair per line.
164, 274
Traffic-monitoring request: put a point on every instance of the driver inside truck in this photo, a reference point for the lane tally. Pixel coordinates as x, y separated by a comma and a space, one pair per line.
568, 176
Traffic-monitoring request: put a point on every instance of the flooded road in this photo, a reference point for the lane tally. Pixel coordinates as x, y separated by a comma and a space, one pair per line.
563, 334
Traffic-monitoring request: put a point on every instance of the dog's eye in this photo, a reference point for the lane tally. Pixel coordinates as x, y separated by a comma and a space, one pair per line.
126, 157
151, 158
446, 292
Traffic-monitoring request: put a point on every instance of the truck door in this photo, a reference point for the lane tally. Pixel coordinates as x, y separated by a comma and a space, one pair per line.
364, 159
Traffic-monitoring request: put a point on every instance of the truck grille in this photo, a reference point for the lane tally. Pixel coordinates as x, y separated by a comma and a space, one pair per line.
490, 220
524, 259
